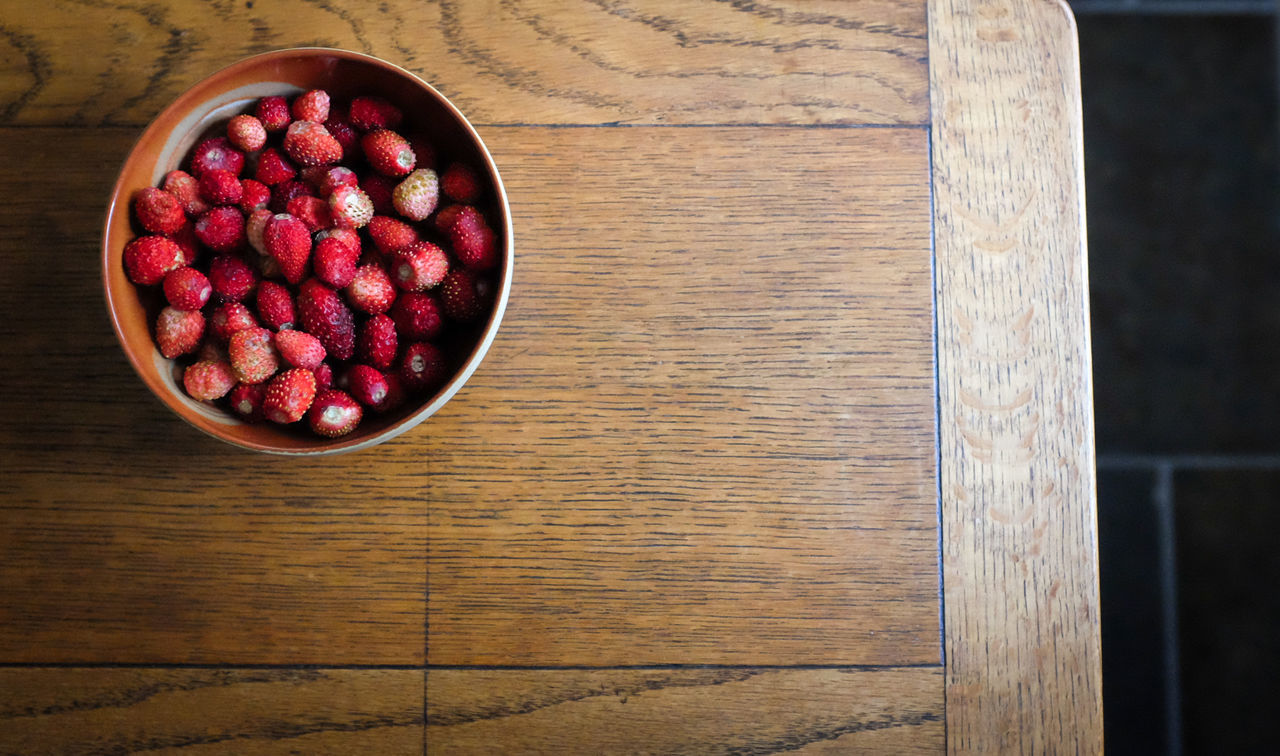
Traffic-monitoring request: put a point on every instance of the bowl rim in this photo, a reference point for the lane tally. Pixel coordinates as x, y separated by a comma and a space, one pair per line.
339, 445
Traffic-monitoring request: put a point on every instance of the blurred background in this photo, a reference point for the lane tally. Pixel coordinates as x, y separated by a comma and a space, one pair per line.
1181, 135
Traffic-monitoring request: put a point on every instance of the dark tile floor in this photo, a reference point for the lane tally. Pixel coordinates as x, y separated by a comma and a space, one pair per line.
1183, 189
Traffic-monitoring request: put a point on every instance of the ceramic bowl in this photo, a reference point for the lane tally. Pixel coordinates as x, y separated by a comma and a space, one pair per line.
202, 111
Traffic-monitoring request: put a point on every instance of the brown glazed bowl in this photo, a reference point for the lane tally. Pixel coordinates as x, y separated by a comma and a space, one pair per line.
204, 110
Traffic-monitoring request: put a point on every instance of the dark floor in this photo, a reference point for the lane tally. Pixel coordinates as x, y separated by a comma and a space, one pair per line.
1183, 186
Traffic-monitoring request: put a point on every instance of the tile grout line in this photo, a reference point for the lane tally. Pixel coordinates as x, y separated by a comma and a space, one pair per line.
1163, 498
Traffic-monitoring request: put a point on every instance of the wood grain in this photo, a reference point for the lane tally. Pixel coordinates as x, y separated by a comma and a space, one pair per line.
100, 62
705, 432
705, 711
1017, 474
65, 712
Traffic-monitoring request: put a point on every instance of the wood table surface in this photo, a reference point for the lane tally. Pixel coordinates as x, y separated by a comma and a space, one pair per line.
785, 444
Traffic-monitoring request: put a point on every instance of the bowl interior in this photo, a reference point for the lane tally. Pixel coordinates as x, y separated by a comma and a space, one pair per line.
203, 111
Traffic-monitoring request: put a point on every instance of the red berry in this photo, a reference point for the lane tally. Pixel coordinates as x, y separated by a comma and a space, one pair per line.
388, 152
247, 133
211, 351
334, 413
391, 235
254, 195
419, 266
310, 143
289, 396
422, 150
460, 296
369, 113
423, 366
334, 262
178, 332
186, 240
159, 211
256, 226
324, 315
332, 178
148, 258
232, 280
417, 316
380, 189
371, 290
377, 343
350, 207
208, 380
246, 401
461, 184
216, 154
345, 235
187, 289
395, 393
311, 106
275, 306
287, 192
185, 187
289, 242
367, 384
475, 248
416, 197
273, 111
228, 318
253, 355
324, 376
341, 129
312, 211
219, 187
221, 229
273, 168
300, 349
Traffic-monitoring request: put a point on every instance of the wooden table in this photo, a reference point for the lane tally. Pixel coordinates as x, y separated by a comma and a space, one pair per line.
785, 443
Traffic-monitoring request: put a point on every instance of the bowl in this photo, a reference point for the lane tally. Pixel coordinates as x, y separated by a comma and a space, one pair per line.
204, 110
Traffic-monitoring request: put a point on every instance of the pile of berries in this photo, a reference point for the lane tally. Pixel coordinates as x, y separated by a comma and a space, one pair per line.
309, 264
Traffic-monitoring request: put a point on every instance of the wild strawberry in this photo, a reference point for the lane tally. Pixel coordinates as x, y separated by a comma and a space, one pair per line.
247, 133
246, 401
377, 342
334, 177
423, 366
311, 106
253, 355
284, 193
185, 187
419, 266
395, 393
474, 248
415, 198
187, 289
334, 413
273, 168
187, 241
379, 188
312, 211
216, 154
345, 235
342, 130
367, 384
159, 211
300, 349
256, 226
417, 316
254, 195
369, 113
446, 217
273, 112
221, 229
388, 152
228, 318
275, 306
148, 258
334, 262
460, 296
422, 150
208, 380
310, 143
289, 242
371, 290
219, 187
461, 184
324, 315
391, 235
350, 207
289, 396
178, 332
232, 280
211, 351
324, 376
